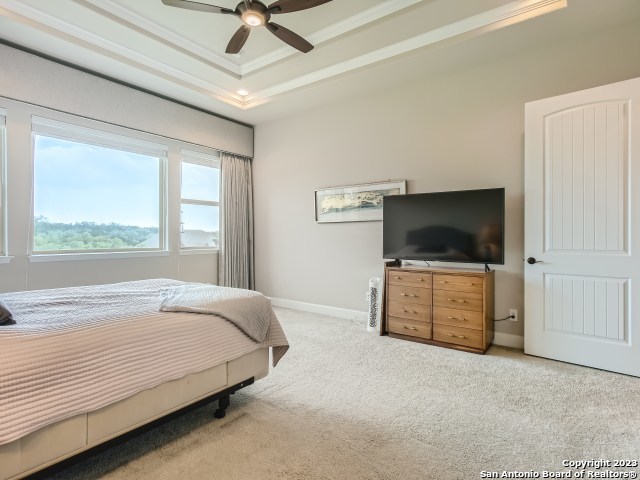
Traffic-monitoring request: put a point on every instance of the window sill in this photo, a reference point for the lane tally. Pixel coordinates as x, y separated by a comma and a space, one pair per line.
5, 259
199, 251
68, 257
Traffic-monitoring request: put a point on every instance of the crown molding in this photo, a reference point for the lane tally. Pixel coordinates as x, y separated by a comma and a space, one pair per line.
29, 15
148, 27
514, 12
333, 31
125, 15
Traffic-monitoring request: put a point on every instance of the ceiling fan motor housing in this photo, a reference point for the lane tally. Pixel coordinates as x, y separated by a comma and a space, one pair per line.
254, 13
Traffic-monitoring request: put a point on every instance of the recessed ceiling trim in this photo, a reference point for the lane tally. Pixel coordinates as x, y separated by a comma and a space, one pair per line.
514, 12
517, 11
338, 28
58, 26
346, 25
147, 25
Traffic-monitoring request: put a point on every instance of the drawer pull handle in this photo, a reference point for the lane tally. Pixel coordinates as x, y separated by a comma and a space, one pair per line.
457, 318
409, 328
456, 336
403, 294
458, 284
409, 311
398, 278
456, 300
408, 295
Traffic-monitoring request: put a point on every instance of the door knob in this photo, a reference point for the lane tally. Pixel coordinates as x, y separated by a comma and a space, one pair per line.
532, 260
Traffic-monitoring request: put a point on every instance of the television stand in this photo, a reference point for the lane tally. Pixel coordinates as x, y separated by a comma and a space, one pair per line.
448, 307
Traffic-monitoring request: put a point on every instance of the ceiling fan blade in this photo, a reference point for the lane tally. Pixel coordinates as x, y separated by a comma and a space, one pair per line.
201, 7
238, 40
286, 6
287, 36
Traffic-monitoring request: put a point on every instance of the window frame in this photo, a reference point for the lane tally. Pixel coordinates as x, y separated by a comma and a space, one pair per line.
3, 183
210, 160
126, 141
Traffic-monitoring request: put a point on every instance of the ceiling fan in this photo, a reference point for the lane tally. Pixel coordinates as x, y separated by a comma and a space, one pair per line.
256, 14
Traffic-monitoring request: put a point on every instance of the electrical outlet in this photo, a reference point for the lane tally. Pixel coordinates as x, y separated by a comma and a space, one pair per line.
513, 313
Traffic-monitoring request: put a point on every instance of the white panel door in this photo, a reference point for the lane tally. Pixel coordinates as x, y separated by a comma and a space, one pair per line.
582, 227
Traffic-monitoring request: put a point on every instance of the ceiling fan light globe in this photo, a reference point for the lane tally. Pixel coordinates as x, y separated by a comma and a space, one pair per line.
253, 19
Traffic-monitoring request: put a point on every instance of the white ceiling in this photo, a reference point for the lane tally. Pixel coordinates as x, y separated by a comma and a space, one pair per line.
361, 45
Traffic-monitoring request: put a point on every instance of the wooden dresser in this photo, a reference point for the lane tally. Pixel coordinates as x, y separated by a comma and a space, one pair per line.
440, 306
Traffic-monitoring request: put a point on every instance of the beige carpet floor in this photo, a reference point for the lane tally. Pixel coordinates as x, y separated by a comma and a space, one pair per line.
345, 404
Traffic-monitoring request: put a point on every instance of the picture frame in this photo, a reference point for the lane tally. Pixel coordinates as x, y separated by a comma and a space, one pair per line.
355, 203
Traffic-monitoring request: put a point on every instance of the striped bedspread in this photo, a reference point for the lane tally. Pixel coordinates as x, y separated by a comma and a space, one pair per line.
75, 350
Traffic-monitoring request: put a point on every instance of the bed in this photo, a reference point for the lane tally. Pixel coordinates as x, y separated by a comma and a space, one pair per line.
84, 365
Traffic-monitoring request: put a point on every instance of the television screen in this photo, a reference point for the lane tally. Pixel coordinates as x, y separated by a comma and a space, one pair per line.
463, 226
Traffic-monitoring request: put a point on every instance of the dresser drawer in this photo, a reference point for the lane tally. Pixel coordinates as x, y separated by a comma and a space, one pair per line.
458, 318
402, 294
409, 279
457, 300
458, 283
413, 311
413, 328
458, 336
452, 308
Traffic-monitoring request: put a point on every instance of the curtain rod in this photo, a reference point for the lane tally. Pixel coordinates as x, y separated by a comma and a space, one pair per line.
119, 126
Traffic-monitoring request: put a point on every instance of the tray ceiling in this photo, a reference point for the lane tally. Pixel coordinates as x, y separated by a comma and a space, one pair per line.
180, 53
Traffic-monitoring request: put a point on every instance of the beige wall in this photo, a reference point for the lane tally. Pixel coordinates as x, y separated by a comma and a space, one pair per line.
460, 131
28, 78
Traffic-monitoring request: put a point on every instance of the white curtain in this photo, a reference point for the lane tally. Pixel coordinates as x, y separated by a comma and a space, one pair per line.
235, 265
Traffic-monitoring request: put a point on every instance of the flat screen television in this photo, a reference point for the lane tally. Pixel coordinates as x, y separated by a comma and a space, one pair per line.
463, 226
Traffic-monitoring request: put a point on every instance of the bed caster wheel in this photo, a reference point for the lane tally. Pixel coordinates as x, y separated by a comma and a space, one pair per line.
223, 403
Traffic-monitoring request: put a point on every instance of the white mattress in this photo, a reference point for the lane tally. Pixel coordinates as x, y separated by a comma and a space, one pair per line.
55, 364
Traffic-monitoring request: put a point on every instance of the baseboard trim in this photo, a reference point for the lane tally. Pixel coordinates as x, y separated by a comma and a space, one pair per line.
502, 339
508, 340
320, 309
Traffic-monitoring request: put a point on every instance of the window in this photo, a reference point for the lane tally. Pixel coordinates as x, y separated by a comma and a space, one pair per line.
199, 207
3, 186
95, 191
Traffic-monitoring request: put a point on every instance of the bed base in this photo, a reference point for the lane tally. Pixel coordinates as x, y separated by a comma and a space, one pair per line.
224, 401
63, 443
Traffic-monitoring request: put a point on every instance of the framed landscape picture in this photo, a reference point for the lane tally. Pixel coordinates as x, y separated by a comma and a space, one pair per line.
355, 203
